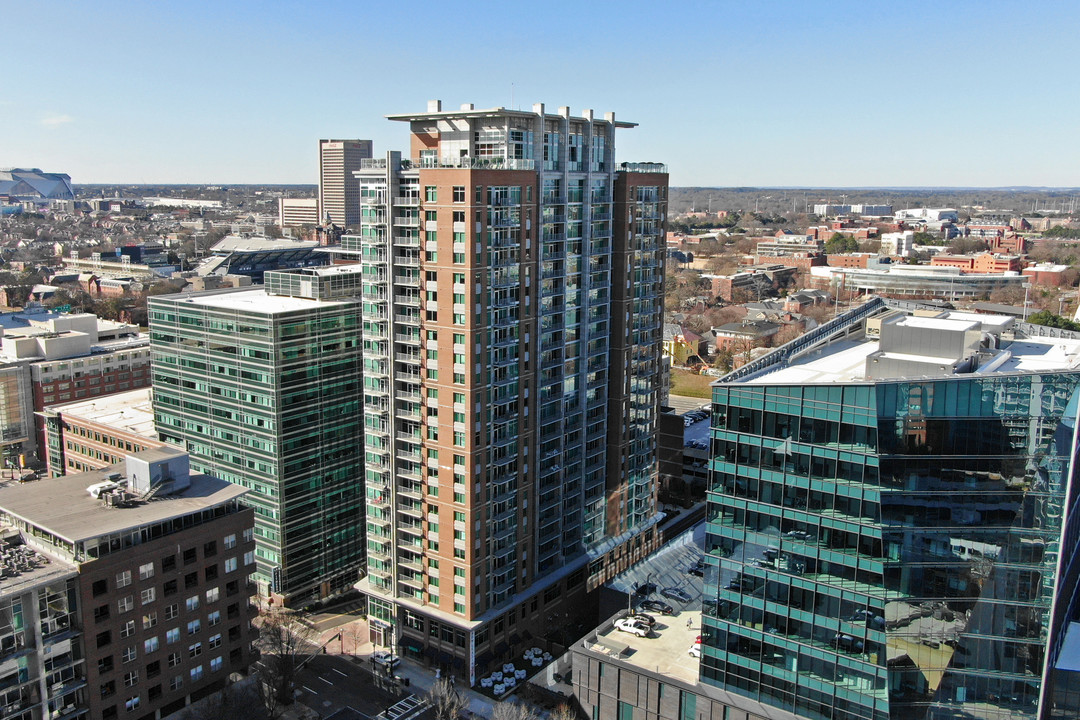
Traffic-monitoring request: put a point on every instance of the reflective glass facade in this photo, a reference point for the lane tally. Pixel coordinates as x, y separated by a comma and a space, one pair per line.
890, 549
270, 400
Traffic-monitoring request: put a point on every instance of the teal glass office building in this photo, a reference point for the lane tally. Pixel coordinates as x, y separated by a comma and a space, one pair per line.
896, 541
262, 387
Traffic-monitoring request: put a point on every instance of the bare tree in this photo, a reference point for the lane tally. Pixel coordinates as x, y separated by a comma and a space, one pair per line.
514, 711
283, 640
446, 701
356, 633
565, 711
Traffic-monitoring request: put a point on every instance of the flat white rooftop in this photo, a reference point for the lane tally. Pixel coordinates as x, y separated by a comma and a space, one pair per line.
256, 300
131, 411
1041, 355
845, 361
932, 323
240, 243
841, 361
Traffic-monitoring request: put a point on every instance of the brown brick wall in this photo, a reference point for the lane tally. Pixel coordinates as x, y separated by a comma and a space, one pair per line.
104, 621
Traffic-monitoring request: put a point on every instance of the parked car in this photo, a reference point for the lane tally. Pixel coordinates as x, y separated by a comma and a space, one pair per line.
847, 643
385, 659
697, 568
647, 619
676, 594
658, 607
632, 626
695, 650
646, 589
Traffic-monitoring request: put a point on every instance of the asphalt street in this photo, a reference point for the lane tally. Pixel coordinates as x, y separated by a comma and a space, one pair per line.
328, 683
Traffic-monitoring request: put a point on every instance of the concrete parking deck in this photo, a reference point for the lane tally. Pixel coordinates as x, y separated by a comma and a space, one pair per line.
666, 650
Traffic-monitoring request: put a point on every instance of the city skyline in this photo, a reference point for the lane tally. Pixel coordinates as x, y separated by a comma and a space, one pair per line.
828, 95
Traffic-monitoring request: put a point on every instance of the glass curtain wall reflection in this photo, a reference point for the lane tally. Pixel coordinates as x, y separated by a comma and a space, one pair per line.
888, 549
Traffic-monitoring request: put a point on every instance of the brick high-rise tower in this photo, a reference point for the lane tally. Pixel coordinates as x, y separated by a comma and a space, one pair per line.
512, 310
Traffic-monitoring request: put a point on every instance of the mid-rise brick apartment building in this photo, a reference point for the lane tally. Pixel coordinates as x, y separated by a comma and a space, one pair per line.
143, 603
56, 358
91, 434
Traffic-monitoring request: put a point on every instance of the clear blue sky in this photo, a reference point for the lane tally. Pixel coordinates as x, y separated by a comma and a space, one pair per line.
727, 93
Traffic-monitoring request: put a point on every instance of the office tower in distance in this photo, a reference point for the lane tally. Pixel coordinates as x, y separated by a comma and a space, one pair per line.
512, 302
262, 387
892, 521
339, 198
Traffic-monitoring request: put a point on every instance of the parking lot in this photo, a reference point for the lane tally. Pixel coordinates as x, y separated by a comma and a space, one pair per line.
668, 568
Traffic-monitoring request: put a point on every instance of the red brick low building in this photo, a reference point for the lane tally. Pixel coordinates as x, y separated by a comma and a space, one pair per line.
1047, 274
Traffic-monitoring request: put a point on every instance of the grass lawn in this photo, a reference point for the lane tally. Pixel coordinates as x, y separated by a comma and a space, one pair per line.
691, 385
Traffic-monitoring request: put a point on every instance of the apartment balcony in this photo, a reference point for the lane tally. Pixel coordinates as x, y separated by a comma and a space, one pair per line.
377, 200
407, 319
413, 300
412, 527
407, 201
411, 412
504, 320
380, 548
501, 340
382, 583
377, 369
505, 222
412, 491
373, 293
376, 431
376, 313
503, 414
407, 280
411, 510
413, 581
407, 260
406, 241
413, 564
407, 221
503, 202
505, 280
376, 331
